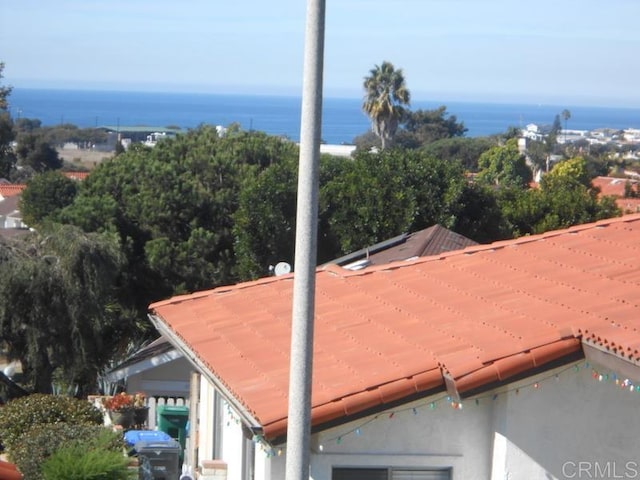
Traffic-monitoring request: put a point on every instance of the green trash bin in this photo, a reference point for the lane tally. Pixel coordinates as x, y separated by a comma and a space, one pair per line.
174, 421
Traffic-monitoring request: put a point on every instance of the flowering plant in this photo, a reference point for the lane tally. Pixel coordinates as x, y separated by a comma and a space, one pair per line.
119, 403
138, 400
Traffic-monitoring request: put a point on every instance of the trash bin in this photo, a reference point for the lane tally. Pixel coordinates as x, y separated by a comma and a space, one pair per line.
173, 420
158, 460
134, 436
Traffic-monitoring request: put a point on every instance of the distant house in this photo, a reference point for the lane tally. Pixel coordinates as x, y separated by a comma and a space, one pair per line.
407, 246
519, 359
11, 223
615, 187
10, 189
158, 370
79, 176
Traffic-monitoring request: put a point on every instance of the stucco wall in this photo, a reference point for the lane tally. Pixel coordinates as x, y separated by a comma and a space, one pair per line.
569, 426
562, 424
423, 438
572, 426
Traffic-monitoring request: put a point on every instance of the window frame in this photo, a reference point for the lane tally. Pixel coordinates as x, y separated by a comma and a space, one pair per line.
448, 471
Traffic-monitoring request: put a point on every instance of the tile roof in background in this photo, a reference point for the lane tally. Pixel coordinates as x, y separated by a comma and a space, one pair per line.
471, 318
613, 186
76, 175
8, 190
430, 241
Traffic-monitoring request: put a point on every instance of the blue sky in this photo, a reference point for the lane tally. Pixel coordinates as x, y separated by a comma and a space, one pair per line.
573, 52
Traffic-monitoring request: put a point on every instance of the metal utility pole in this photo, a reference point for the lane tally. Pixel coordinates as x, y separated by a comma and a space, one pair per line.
304, 280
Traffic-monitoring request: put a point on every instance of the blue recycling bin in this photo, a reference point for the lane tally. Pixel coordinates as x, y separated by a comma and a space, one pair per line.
134, 436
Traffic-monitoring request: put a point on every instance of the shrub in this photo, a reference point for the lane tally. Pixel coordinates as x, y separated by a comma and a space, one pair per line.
21, 414
42, 441
78, 463
100, 458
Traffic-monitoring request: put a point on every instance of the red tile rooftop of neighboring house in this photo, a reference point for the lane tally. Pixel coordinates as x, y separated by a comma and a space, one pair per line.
76, 175
613, 186
8, 190
469, 319
430, 241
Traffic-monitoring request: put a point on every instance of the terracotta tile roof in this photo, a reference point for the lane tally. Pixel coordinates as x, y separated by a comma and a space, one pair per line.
464, 320
613, 186
8, 190
76, 175
430, 241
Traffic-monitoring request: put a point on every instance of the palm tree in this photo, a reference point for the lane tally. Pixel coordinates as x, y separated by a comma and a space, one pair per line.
386, 94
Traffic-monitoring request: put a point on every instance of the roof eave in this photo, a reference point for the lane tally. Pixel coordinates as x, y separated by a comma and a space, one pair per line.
246, 416
143, 365
627, 367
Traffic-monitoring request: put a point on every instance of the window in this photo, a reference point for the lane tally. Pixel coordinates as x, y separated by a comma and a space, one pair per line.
348, 473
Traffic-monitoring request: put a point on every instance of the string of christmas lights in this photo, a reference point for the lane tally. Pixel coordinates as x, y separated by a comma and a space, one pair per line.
433, 403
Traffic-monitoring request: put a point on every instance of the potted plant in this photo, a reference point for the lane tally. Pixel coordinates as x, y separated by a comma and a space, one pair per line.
140, 409
121, 409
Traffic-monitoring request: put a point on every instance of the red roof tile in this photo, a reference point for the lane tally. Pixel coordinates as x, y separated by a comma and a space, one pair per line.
8, 190
612, 186
76, 175
471, 318
430, 241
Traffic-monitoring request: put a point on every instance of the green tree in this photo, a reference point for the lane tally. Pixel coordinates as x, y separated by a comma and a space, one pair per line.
560, 202
173, 208
477, 214
466, 150
7, 157
35, 152
386, 94
574, 168
27, 125
5, 91
566, 115
556, 127
504, 166
46, 194
380, 195
425, 126
58, 306
264, 225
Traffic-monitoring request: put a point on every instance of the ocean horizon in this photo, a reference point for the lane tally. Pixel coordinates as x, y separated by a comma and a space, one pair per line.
342, 121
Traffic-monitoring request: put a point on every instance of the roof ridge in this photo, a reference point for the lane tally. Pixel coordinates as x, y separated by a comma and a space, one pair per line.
337, 270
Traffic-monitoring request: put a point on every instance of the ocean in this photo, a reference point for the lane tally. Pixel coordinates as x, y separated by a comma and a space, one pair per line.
343, 119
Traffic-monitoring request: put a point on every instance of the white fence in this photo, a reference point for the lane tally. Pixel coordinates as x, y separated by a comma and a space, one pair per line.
154, 402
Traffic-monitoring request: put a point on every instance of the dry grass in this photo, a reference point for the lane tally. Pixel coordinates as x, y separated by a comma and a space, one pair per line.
86, 158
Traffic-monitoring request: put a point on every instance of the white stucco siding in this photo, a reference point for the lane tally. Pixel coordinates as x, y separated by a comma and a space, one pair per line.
570, 427
232, 441
442, 437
